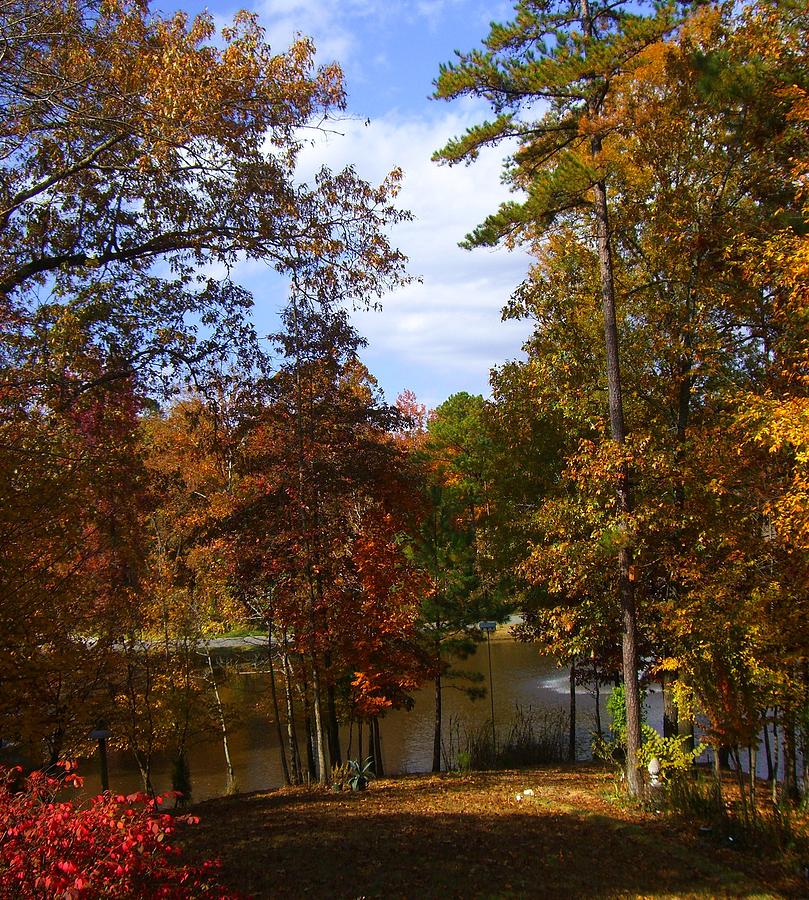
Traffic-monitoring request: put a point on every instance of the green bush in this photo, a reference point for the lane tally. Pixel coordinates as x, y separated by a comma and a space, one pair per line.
671, 752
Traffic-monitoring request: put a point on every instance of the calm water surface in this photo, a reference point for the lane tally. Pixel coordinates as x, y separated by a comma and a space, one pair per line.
521, 677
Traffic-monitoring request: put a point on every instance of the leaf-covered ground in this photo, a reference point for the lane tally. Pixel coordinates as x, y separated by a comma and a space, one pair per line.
468, 836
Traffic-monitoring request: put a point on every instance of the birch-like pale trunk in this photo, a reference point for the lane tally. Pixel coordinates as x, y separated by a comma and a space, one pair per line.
292, 732
231, 775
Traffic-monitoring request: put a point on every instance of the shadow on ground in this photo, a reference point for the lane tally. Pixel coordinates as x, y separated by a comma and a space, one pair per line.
470, 838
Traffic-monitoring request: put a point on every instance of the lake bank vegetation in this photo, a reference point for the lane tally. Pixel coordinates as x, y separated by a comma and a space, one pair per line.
636, 487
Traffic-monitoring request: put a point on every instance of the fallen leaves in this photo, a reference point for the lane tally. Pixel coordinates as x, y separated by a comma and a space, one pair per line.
453, 836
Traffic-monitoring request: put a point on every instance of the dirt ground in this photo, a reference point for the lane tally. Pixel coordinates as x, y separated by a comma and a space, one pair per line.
469, 836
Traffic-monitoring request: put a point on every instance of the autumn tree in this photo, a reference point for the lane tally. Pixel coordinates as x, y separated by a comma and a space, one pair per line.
705, 131
698, 158
191, 455
769, 413
561, 59
452, 450
137, 151
72, 562
129, 139
312, 533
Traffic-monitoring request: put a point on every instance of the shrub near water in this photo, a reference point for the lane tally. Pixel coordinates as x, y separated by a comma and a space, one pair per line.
115, 847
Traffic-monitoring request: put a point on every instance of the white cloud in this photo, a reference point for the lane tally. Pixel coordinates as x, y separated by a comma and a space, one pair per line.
449, 323
332, 25
336, 26
445, 333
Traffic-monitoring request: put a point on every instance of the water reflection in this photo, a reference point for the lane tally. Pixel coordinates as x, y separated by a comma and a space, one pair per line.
520, 675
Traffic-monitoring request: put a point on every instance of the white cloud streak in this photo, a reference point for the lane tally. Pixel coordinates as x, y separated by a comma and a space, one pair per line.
449, 324
443, 334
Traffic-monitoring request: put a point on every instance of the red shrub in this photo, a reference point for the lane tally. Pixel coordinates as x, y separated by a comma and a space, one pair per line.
114, 847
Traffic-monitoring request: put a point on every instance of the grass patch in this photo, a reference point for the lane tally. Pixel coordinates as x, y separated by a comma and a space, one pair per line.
469, 836
240, 631
532, 738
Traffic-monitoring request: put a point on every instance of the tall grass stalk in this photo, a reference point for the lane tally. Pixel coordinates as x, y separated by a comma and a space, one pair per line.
534, 737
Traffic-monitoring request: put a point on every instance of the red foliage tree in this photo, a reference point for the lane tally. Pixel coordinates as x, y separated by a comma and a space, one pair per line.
116, 847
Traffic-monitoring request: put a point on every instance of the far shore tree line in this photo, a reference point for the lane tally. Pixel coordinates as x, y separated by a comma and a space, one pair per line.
636, 486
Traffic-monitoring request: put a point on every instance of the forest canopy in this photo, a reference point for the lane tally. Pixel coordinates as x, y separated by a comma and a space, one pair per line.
635, 487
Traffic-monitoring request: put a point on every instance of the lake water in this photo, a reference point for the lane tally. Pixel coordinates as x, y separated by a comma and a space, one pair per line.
521, 677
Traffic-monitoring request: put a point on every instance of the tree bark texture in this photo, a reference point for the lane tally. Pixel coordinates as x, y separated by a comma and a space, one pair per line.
626, 589
279, 729
437, 729
571, 752
379, 766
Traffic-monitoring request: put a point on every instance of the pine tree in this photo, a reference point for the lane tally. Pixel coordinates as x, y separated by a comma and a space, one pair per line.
559, 59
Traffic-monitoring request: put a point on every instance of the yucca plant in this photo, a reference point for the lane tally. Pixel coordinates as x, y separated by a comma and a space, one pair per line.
361, 773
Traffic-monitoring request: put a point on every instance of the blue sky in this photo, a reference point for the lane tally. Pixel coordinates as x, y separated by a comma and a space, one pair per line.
444, 334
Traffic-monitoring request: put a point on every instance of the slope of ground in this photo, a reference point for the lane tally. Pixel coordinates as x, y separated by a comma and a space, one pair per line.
469, 836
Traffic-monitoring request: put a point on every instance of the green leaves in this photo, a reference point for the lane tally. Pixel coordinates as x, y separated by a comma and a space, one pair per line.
467, 148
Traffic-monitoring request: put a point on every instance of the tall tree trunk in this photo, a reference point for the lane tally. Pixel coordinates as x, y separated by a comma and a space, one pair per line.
571, 750
322, 755
181, 778
737, 763
791, 789
776, 755
437, 724
308, 489
292, 732
803, 729
752, 762
335, 751
599, 729
671, 717
279, 729
768, 749
311, 765
717, 772
142, 754
231, 776
181, 768
55, 743
378, 764
626, 587
144, 763
310, 744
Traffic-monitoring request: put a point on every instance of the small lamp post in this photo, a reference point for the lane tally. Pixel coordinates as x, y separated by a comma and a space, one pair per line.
101, 734
487, 628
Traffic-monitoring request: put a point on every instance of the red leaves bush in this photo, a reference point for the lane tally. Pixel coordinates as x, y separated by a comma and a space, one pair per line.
115, 846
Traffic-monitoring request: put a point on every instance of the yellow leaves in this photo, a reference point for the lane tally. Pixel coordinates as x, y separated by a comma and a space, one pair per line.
700, 29
167, 80
779, 424
668, 664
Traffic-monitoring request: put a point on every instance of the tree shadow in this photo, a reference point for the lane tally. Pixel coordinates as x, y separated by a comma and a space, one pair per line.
291, 845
